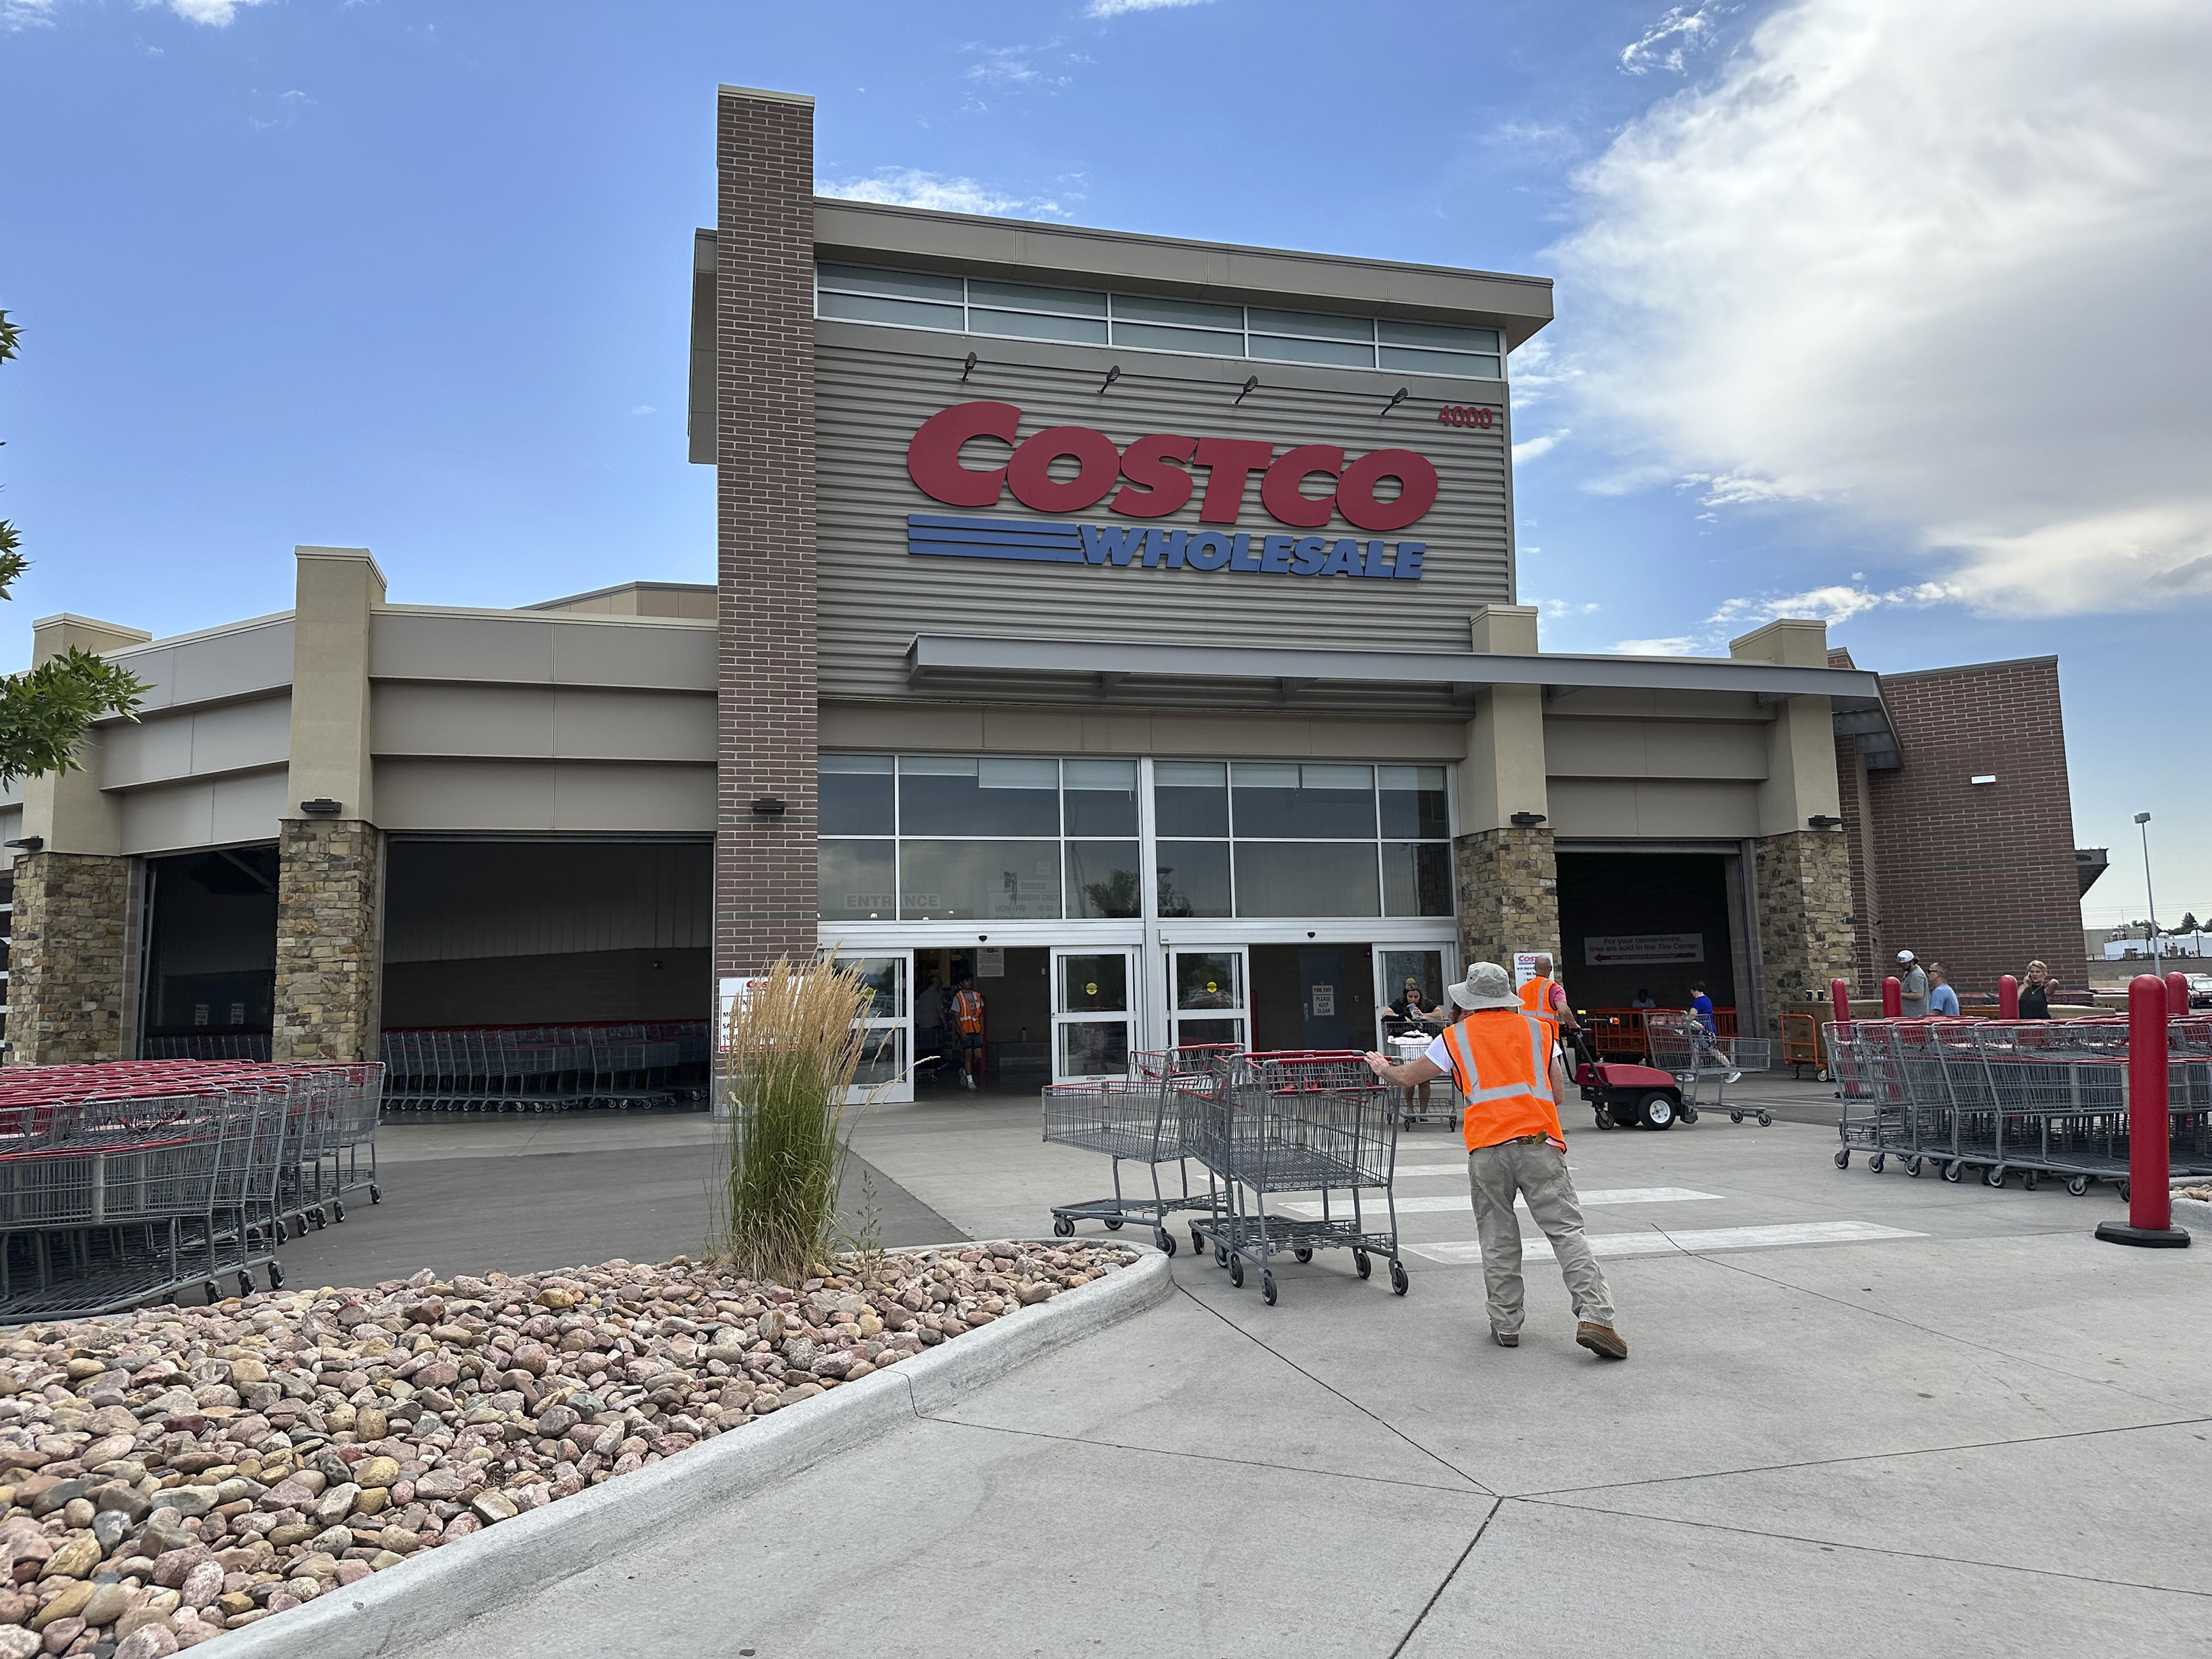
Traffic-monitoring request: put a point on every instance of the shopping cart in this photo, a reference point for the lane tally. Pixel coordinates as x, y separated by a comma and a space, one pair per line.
1144, 1120
1297, 1123
1435, 1101
547, 1068
1695, 1056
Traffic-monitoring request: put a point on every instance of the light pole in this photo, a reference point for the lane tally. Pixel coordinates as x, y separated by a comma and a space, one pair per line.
2142, 823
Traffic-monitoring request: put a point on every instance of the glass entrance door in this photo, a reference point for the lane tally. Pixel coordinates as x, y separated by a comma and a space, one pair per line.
888, 1026
1208, 998
1093, 1010
1394, 965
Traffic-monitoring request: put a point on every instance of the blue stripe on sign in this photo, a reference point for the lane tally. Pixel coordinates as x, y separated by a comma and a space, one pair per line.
993, 538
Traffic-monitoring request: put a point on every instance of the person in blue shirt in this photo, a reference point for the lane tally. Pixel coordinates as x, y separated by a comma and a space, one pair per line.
1941, 999
1701, 1008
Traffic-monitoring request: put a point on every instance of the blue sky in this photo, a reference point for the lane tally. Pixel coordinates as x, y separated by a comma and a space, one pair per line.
1868, 309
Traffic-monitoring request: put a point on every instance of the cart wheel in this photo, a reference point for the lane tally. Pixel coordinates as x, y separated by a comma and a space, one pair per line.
1689, 1115
214, 1292
1237, 1271
1267, 1287
1221, 1255
2078, 1185
1604, 1118
1656, 1111
1197, 1244
1062, 1227
1302, 1254
1843, 1155
338, 1210
276, 1277
1766, 1120
1113, 1224
1822, 1076
1164, 1241
376, 1194
2028, 1181
1912, 1168
1876, 1162
245, 1283
1994, 1175
2122, 1185
1399, 1284
1952, 1171
1736, 1118
1362, 1263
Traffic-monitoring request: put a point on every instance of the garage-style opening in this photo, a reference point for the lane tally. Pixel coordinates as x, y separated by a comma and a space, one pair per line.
1649, 926
210, 966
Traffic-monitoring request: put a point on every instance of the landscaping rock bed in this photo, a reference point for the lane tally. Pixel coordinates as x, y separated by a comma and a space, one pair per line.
170, 1474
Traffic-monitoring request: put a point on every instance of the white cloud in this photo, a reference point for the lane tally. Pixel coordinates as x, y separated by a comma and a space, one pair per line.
911, 187
1534, 448
1667, 43
1562, 607
1674, 645
26, 15
1933, 266
1121, 8
216, 13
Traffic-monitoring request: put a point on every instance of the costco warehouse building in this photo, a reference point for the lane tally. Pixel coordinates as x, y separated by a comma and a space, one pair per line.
1129, 621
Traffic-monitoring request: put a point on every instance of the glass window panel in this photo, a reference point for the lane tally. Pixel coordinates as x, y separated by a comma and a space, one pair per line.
978, 880
1193, 878
1415, 804
1301, 802
897, 284
886, 978
883, 1057
1426, 969
1095, 984
1145, 337
1101, 796
1306, 878
1094, 1047
1417, 879
856, 880
906, 314
1210, 1033
944, 795
1027, 296
1102, 880
1085, 331
1351, 354
1209, 979
1191, 797
1438, 337
1190, 314
1441, 362
1313, 324
856, 795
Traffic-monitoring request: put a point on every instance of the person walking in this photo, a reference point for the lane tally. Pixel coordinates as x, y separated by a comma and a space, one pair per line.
1547, 999
1941, 999
1496, 1051
1914, 980
2035, 995
967, 1022
928, 1024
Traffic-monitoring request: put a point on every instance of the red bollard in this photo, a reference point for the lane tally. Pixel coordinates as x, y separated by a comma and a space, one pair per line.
2150, 1128
2177, 996
1893, 998
2008, 997
1839, 993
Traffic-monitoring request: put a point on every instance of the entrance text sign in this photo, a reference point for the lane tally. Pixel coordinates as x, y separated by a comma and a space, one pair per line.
1599, 951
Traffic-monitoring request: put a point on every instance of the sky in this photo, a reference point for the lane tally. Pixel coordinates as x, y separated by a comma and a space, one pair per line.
1884, 312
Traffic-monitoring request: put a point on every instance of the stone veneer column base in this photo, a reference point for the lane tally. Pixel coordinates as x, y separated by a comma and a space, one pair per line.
66, 961
1806, 940
329, 959
1509, 894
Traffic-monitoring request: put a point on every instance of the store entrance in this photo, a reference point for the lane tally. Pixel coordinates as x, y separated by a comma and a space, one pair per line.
1651, 926
1015, 982
1313, 996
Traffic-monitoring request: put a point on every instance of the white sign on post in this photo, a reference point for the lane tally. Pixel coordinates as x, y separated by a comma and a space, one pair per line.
1524, 967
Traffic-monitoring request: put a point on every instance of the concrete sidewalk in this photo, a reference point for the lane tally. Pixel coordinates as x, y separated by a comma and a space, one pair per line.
1970, 1431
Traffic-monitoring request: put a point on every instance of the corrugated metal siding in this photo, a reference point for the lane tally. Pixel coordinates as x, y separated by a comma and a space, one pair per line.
447, 900
876, 386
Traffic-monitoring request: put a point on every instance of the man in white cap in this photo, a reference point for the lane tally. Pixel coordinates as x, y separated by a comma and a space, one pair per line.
1499, 1053
1915, 982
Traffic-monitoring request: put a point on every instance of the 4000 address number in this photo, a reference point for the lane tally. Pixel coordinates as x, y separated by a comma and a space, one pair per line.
1460, 414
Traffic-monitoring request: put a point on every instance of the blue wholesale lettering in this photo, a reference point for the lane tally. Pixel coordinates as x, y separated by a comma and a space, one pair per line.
1155, 548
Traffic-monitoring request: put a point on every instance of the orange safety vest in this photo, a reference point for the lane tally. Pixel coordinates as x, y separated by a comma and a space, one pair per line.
1536, 998
968, 1011
1501, 1063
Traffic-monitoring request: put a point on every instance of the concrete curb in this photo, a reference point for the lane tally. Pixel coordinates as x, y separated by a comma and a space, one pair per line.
430, 1595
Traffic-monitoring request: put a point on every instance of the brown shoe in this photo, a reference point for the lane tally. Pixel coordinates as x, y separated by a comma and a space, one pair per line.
1506, 1339
1602, 1340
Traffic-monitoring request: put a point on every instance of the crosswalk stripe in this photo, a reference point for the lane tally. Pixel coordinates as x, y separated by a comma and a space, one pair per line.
1467, 1251
1439, 1203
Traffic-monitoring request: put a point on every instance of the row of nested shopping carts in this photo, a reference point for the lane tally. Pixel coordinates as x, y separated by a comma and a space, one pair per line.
129, 1182
547, 1068
1255, 1124
2038, 1098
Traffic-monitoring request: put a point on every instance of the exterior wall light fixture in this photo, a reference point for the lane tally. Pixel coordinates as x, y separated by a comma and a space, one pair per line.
322, 807
1822, 821
1527, 820
767, 807
29, 843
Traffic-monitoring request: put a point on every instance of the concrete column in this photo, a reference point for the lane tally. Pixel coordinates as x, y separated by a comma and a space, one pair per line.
70, 970
1803, 875
328, 890
1508, 878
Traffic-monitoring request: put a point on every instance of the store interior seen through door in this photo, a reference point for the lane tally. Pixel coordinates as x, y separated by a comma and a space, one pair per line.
1016, 985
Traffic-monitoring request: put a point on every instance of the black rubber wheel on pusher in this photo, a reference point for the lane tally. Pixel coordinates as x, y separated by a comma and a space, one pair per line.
1113, 1224
2078, 1185
1766, 1120
1842, 1157
1267, 1288
1876, 1162
1062, 1227
1237, 1271
1303, 1253
1658, 1110
1362, 1263
1400, 1282
1736, 1118
1604, 1118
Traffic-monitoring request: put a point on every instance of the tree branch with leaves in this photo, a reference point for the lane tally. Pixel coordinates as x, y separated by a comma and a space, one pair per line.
45, 711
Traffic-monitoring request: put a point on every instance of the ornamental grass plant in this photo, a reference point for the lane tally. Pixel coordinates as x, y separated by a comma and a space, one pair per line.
794, 1040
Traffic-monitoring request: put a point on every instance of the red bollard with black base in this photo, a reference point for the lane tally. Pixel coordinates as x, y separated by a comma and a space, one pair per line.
2150, 1128
2008, 997
1839, 993
2177, 996
1893, 998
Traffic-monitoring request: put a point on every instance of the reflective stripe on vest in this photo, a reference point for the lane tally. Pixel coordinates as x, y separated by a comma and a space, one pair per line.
1536, 998
1504, 1071
968, 1013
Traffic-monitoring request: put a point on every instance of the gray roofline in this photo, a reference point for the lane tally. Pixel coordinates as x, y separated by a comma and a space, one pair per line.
1969, 667
622, 587
726, 90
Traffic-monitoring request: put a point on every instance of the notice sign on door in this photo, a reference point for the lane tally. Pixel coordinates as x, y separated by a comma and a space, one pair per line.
1611, 949
1324, 1001
990, 963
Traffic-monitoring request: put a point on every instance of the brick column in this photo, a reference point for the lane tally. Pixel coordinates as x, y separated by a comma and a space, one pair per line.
1803, 894
766, 886
1509, 894
68, 969
1507, 876
329, 932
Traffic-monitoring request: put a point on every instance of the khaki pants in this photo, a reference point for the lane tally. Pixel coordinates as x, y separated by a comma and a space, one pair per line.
1535, 1170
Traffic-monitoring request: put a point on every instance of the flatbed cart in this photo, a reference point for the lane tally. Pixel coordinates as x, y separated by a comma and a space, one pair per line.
1297, 1123
1143, 1120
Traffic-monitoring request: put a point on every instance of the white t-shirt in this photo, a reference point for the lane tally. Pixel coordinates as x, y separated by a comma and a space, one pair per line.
1439, 1057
